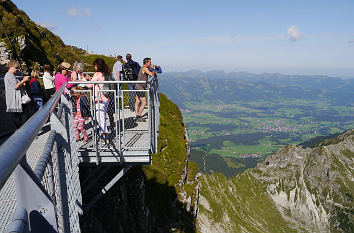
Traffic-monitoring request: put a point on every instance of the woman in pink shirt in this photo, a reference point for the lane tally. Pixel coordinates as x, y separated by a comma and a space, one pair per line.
101, 100
60, 77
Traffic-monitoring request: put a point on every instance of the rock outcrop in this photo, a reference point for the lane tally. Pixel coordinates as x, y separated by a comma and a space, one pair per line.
4, 57
294, 190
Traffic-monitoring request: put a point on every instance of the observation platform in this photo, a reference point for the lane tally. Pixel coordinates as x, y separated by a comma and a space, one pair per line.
39, 163
135, 137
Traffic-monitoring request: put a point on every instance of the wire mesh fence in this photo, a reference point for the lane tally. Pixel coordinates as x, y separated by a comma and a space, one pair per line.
116, 119
135, 121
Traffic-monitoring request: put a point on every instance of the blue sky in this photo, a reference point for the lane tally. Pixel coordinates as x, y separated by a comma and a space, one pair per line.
287, 36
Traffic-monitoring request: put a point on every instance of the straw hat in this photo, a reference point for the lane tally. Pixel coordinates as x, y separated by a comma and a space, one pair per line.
65, 65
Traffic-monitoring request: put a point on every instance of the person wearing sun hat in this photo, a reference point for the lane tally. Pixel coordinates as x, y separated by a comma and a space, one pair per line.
60, 77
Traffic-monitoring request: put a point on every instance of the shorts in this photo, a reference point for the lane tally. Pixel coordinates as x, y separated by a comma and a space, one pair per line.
140, 94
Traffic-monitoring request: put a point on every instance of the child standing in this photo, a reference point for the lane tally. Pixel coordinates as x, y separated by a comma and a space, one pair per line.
36, 91
81, 112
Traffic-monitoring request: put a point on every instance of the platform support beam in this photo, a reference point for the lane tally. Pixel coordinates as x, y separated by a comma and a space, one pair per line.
106, 188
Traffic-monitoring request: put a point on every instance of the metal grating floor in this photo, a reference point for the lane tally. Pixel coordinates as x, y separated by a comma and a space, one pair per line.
8, 193
136, 136
135, 148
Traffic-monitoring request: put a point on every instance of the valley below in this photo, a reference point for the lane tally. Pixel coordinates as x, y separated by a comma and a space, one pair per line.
235, 120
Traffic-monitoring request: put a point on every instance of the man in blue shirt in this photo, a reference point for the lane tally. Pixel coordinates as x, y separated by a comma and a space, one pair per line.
131, 71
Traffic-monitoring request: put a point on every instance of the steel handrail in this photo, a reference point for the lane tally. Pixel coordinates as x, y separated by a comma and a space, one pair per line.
108, 82
14, 149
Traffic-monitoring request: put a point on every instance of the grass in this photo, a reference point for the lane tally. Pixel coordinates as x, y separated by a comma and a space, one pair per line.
244, 200
168, 164
232, 164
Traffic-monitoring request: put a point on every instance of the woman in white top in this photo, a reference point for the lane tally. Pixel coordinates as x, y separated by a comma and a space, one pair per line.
101, 101
48, 82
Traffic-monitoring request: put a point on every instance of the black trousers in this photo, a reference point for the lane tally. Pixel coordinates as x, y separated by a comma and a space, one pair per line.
20, 118
48, 93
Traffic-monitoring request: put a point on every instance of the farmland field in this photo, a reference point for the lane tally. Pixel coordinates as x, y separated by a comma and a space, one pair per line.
250, 116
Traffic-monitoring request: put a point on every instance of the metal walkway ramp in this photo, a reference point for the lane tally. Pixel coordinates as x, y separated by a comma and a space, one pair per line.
40, 189
8, 202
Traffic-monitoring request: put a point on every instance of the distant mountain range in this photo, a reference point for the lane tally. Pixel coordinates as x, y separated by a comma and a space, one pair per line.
194, 85
220, 74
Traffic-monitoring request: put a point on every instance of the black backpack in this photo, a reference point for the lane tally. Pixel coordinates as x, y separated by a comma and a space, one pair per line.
129, 74
109, 86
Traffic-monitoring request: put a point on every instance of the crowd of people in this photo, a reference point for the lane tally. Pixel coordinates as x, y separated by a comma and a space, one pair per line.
22, 94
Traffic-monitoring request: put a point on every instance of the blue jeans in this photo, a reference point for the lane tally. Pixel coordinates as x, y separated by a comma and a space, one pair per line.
39, 103
131, 86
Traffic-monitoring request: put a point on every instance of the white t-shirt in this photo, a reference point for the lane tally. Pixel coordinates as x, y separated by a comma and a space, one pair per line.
48, 81
118, 66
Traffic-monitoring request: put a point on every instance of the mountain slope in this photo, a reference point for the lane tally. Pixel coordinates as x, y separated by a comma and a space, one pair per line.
31, 44
294, 190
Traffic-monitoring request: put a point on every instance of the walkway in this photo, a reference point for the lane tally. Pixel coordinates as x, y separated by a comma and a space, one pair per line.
8, 193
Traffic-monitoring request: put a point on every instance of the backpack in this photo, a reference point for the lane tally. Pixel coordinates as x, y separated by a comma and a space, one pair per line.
109, 86
129, 74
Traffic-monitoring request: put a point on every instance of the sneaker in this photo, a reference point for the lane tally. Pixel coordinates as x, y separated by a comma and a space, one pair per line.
104, 140
140, 119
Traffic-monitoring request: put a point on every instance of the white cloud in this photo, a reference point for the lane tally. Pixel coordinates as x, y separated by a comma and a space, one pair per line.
74, 12
47, 25
294, 33
351, 41
88, 12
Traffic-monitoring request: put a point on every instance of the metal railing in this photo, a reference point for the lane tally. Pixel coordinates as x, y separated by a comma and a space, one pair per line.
48, 196
112, 125
50, 192
35, 191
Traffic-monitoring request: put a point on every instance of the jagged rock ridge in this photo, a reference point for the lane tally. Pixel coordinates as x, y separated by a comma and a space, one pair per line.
295, 190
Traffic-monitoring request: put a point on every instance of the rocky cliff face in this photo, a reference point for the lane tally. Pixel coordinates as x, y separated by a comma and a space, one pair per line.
4, 57
295, 190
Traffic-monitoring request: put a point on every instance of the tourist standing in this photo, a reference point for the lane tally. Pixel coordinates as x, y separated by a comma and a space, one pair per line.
61, 77
81, 111
17, 99
48, 82
131, 72
140, 101
118, 70
77, 75
36, 91
101, 101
